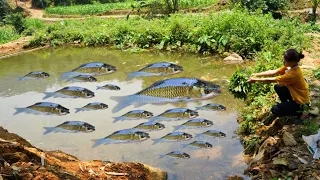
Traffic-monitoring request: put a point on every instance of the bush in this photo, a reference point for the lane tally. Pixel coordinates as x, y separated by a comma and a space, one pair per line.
4, 9
16, 20
7, 34
265, 5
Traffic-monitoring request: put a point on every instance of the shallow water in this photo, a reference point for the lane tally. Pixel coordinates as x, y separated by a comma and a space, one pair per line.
222, 160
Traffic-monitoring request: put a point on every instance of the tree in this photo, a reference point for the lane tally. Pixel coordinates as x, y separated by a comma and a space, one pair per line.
315, 4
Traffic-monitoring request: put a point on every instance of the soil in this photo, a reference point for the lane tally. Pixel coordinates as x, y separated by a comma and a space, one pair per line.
20, 160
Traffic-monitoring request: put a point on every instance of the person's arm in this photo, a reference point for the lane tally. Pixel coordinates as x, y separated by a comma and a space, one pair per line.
266, 73
265, 80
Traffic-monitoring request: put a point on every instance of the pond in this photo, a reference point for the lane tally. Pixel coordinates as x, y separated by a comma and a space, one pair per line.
222, 160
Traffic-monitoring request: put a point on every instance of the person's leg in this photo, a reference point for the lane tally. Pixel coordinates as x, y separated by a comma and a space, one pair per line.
290, 108
283, 93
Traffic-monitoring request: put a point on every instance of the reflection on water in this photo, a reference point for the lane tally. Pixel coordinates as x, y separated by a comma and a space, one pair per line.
216, 163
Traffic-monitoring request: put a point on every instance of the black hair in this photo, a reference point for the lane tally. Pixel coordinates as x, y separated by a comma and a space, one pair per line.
292, 55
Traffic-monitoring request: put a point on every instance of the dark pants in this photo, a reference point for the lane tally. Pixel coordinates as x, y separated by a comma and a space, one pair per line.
287, 107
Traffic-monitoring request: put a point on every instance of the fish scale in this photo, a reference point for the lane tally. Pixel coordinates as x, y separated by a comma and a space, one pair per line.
168, 92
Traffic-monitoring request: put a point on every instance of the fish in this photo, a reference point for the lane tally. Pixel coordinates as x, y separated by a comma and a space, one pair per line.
44, 108
92, 106
199, 144
109, 87
169, 90
195, 123
134, 115
122, 136
176, 154
213, 133
83, 78
92, 69
34, 75
150, 126
174, 136
70, 127
70, 92
214, 107
156, 69
176, 114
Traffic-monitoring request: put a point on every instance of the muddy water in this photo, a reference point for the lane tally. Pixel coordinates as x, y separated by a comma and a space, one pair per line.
223, 159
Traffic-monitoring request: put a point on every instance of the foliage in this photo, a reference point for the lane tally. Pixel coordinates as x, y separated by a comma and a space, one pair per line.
96, 8
48, 3
317, 73
7, 34
264, 5
4, 9
16, 20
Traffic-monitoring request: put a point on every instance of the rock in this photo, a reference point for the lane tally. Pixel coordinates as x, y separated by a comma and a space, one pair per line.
292, 165
314, 111
288, 139
280, 161
233, 58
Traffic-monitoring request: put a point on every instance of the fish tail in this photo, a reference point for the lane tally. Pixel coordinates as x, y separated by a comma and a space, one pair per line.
184, 145
69, 80
78, 110
47, 95
162, 156
197, 135
20, 78
19, 110
156, 141
130, 76
197, 108
123, 102
99, 87
177, 127
68, 75
48, 130
97, 142
116, 119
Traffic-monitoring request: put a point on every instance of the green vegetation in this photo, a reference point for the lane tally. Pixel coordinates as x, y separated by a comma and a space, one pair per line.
7, 34
265, 6
96, 8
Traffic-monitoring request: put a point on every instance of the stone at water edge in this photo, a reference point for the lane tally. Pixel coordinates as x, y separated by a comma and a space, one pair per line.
233, 58
288, 139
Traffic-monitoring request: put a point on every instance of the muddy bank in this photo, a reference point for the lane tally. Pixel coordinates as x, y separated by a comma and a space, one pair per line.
20, 160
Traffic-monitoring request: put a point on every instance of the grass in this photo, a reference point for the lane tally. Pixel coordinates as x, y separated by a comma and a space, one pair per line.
7, 34
92, 9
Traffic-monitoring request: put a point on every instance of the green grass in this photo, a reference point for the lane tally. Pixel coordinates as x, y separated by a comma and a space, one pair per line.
91, 9
7, 34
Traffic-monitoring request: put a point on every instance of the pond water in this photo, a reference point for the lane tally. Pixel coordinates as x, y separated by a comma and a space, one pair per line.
224, 159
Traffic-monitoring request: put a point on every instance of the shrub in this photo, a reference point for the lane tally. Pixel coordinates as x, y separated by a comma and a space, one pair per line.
265, 5
16, 20
7, 34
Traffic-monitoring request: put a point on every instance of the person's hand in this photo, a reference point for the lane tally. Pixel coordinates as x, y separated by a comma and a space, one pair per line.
253, 75
252, 80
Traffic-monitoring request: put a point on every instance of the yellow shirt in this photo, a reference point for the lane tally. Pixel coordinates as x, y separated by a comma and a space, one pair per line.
297, 85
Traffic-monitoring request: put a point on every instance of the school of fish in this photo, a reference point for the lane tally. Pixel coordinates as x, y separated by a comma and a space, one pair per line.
171, 90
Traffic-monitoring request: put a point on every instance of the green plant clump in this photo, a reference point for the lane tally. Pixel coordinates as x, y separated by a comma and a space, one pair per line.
7, 34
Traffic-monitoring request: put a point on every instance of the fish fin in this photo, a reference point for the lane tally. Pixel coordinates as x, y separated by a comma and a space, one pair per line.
123, 102
19, 110
48, 95
78, 110
48, 130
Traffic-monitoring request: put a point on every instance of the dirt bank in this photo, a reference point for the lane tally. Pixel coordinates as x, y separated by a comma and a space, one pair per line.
20, 160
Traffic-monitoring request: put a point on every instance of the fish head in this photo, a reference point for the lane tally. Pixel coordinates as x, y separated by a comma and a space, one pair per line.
208, 123
208, 89
62, 110
192, 114
117, 88
187, 136
159, 126
109, 68
88, 93
208, 145
45, 75
222, 108
104, 106
222, 134
142, 135
186, 156
147, 114
89, 127
176, 68
92, 79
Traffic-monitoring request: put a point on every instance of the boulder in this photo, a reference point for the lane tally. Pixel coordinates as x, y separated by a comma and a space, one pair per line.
233, 58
